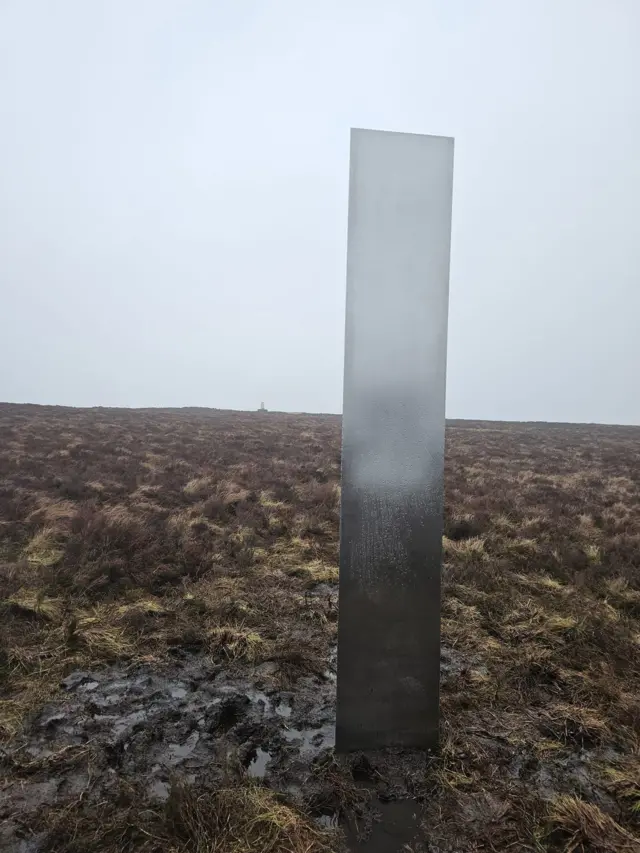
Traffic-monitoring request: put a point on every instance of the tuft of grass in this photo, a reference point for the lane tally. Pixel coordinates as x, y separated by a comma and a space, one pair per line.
315, 572
12, 713
95, 632
231, 493
233, 820
522, 546
199, 487
268, 502
504, 522
541, 582
44, 549
465, 549
573, 724
53, 512
623, 596
584, 826
239, 819
30, 602
625, 783
235, 644
593, 554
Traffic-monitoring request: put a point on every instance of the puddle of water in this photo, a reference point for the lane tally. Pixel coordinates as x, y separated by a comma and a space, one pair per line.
259, 698
258, 764
291, 734
107, 701
283, 709
330, 671
328, 821
178, 752
159, 790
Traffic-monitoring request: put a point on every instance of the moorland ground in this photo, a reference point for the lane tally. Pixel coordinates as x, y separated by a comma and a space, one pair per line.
170, 541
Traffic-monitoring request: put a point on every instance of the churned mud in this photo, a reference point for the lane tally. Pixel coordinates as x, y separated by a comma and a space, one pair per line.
193, 724
191, 721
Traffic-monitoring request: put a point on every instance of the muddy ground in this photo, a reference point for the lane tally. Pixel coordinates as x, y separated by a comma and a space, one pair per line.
168, 611
192, 724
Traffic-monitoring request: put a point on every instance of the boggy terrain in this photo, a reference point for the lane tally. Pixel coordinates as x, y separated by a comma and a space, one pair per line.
168, 595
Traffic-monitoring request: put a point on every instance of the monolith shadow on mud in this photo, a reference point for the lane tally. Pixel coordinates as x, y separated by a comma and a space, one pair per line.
382, 813
396, 824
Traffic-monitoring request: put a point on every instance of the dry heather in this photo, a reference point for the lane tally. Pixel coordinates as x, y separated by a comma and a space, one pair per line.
143, 536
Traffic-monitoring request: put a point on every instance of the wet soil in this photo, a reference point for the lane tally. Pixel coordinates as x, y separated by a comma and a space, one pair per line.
195, 722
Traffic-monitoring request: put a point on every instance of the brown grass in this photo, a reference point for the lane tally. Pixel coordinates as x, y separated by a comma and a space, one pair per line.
586, 827
125, 535
227, 820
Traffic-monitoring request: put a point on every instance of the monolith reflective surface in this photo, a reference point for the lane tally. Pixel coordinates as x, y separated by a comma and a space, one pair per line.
400, 198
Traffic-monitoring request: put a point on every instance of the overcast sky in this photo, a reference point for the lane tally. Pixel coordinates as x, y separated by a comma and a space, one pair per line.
174, 182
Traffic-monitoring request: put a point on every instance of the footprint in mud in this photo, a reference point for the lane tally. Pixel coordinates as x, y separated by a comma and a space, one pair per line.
223, 716
179, 752
310, 740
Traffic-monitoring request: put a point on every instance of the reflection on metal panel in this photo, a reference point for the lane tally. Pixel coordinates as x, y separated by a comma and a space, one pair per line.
400, 196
